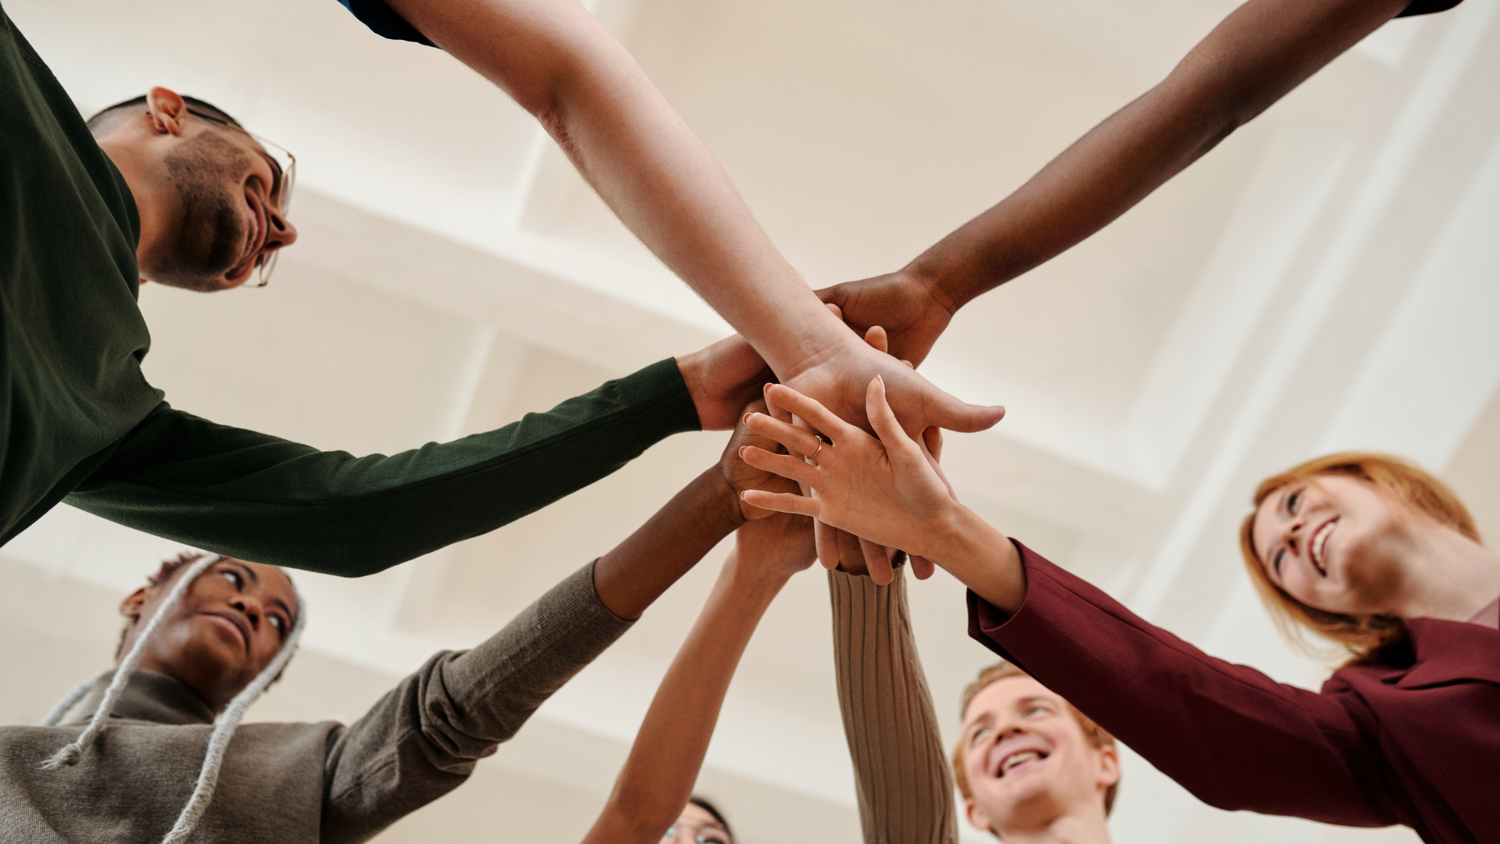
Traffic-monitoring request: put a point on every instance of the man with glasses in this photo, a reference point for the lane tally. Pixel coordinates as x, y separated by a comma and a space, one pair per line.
174, 190
227, 190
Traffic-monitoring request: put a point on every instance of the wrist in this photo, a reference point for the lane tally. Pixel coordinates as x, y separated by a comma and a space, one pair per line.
756, 577
808, 342
690, 366
722, 501
983, 559
947, 537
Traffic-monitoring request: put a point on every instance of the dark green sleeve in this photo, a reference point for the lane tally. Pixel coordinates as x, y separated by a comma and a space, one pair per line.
260, 498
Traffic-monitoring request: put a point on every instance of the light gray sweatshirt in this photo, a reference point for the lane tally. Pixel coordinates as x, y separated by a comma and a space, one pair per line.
294, 783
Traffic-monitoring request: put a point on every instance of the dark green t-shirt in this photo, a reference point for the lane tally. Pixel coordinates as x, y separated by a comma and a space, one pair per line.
80, 421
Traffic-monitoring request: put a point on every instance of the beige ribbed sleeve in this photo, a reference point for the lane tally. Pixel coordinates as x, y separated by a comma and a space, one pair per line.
900, 769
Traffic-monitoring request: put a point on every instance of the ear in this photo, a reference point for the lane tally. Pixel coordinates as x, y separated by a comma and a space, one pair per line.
1109, 767
977, 818
131, 606
169, 113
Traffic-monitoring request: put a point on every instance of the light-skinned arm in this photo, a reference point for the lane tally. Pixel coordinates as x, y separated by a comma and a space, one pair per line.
560, 64
884, 489
1253, 58
658, 776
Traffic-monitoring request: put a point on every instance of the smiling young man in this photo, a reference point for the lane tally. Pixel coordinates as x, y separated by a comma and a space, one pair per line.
1031, 767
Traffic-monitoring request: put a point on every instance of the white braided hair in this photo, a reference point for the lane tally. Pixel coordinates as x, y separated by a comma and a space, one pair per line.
224, 726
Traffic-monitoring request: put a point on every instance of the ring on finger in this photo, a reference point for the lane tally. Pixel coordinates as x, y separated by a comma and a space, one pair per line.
819, 438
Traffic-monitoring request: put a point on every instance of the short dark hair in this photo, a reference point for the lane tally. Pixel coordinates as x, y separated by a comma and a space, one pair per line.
103, 122
707, 805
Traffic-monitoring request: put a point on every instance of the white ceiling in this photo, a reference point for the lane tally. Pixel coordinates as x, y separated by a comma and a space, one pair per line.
1323, 280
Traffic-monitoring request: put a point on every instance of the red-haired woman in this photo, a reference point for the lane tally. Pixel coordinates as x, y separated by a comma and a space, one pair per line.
1367, 549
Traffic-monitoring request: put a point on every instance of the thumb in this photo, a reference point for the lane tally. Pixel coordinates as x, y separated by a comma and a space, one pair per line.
948, 412
883, 419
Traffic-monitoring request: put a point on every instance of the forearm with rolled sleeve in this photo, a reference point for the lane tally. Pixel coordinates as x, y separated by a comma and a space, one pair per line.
423, 738
900, 770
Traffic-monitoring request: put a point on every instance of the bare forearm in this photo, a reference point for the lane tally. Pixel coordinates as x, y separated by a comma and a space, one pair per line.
1252, 59
636, 573
644, 161
664, 762
981, 557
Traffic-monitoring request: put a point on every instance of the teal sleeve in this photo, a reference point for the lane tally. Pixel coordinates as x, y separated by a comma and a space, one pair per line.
260, 498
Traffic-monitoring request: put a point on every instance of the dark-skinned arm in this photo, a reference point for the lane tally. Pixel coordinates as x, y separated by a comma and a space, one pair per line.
1258, 54
422, 739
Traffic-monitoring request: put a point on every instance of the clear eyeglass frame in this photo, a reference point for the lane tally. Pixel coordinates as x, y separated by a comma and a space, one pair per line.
719, 834
281, 192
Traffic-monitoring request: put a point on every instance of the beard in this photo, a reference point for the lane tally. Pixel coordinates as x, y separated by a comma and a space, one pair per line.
208, 238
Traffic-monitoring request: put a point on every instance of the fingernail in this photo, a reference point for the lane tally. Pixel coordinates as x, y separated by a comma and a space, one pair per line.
742, 451
742, 496
766, 387
881, 380
746, 420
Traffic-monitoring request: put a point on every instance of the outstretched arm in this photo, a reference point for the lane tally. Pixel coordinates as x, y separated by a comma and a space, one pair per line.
1249, 61
658, 776
560, 64
1297, 752
900, 771
423, 738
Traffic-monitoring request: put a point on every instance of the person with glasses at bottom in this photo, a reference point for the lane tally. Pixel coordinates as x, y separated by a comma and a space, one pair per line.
701, 822
154, 750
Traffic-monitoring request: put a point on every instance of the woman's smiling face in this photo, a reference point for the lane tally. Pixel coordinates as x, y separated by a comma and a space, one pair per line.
1336, 543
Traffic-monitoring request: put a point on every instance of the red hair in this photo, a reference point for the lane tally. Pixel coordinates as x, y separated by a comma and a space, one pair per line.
1403, 482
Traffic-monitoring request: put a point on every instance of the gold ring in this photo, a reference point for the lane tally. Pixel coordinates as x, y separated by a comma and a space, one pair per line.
820, 446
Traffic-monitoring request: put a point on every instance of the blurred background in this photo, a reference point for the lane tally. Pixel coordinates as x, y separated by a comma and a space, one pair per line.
1325, 279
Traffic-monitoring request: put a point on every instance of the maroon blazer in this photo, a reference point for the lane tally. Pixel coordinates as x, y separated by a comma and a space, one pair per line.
1414, 740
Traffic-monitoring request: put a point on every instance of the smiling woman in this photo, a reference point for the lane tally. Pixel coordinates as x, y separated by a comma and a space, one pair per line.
1299, 512
1365, 751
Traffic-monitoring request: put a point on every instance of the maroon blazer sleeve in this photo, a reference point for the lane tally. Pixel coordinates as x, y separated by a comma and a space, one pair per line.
1229, 734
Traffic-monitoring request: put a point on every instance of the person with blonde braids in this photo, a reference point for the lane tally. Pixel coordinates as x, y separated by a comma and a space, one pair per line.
1364, 548
154, 751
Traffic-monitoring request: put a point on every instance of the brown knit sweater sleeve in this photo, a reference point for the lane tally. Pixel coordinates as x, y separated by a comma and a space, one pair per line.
900, 770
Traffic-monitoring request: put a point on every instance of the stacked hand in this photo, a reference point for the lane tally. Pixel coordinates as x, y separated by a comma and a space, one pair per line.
835, 380
886, 490
914, 314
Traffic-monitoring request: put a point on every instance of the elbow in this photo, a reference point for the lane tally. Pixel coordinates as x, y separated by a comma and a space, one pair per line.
1215, 98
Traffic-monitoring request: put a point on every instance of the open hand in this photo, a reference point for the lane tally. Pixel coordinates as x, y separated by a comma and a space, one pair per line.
885, 490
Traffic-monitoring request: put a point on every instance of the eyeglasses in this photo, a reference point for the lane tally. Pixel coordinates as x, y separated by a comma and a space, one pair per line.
285, 166
700, 833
